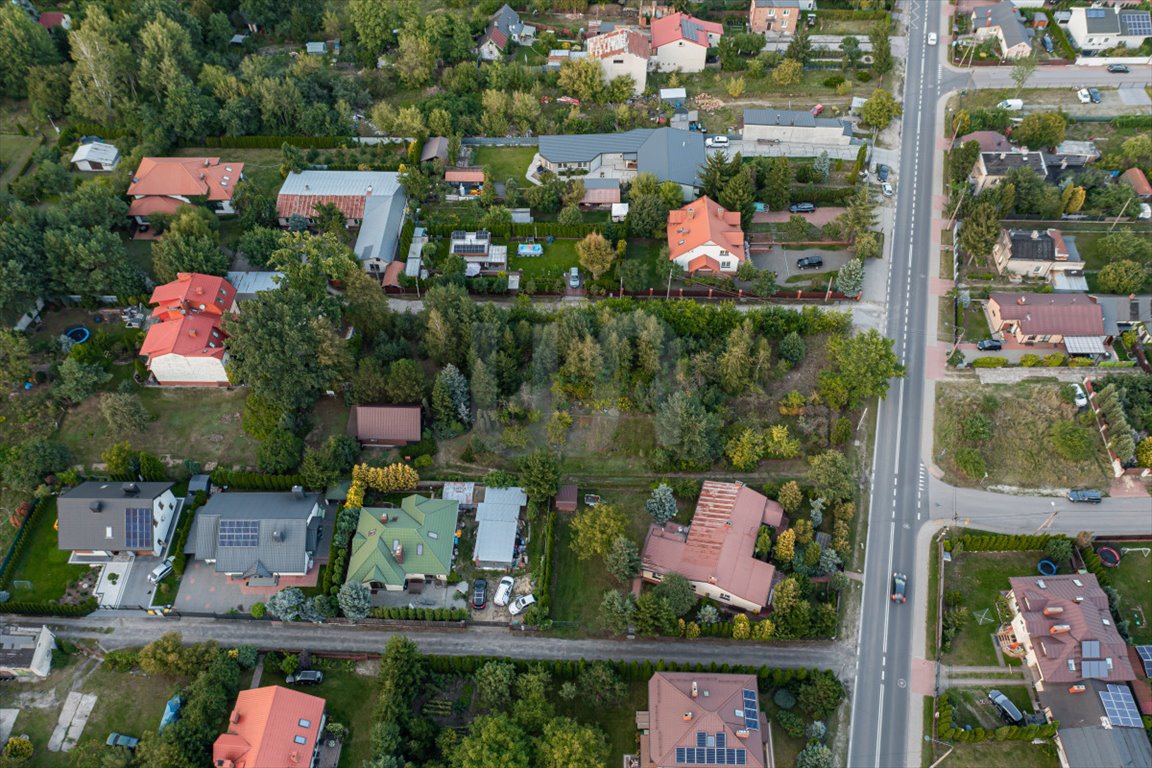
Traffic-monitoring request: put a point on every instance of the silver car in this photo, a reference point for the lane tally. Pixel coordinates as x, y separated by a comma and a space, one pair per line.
887, 189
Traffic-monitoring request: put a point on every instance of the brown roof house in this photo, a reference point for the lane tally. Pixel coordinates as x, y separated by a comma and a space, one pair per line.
163, 184
385, 425
1031, 252
715, 551
702, 719
989, 141
1074, 320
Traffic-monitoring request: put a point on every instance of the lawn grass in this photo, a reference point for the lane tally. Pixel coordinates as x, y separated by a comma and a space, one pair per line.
140, 254
199, 424
43, 563
973, 707
980, 577
1026, 411
351, 701
617, 719
647, 252
504, 162
557, 259
14, 154
1132, 578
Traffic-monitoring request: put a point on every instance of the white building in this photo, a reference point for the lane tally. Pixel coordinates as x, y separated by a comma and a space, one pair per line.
96, 156
188, 352
681, 42
26, 652
622, 53
1097, 29
703, 237
794, 127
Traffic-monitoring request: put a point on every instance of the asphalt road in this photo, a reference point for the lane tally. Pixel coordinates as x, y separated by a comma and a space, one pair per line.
880, 704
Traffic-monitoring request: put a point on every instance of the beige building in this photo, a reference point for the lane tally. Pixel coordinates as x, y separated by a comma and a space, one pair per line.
1002, 23
1100, 28
991, 167
681, 42
622, 53
1075, 320
777, 18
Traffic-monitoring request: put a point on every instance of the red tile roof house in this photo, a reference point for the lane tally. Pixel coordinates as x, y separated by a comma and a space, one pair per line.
1139, 183
185, 343
271, 727
703, 237
193, 292
385, 425
1074, 320
465, 181
163, 184
695, 717
680, 42
715, 551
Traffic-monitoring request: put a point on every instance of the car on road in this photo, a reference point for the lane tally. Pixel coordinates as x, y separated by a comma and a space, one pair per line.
1118, 69
1079, 396
480, 594
882, 172
521, 604
122, 740
162, 570
899, 588
887, 189
574, 277
716, 141
802, 208
1007, 709
504, 591
809, 262
931, 38
989, 345
817, 110
1086, 497
305, 677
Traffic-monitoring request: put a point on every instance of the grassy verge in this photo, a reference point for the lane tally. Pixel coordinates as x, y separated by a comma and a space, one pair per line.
43, 563
979, 578
14, 154
504, 162
1133, 580
933, 602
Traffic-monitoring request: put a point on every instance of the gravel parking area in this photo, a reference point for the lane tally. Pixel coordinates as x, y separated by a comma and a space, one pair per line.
783, 261
499, 613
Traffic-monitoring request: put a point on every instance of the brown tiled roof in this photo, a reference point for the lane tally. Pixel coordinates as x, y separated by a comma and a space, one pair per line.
194, 335
1138, 181
675, 717
618, 41
703, 221
352, 206
1055, 314
720, 542
146, 206
385, 422
1064, 615
989, 141
264, 728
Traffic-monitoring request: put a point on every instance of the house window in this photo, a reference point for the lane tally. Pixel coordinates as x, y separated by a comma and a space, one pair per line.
771, 13
301, 739
305, 723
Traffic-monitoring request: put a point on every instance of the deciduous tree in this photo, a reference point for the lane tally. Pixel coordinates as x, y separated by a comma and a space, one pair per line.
594, 529
789, 72
596, 254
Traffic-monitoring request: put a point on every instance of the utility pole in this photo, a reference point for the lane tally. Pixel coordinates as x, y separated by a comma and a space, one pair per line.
668, 292
1121, 214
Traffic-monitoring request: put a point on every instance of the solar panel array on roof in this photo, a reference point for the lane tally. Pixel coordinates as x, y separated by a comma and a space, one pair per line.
1095, 668
138, 528
1090, 649
1094, 13
1120, 706
704, 739
751, 710
1136, 23
1145, 652
239, 533
711, 756
469, 249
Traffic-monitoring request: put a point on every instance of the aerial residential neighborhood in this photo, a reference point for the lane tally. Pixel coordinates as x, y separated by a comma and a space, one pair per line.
645, 383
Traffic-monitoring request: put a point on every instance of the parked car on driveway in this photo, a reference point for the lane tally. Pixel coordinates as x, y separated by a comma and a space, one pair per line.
882, 172
162, 570
574, 277
802, 208
887, 189
1007, 709
989, 345
521, 604
504, 591
1094, 95
306, 677
1080, 397
122, 740
480, 594
810, 262
1083, 96
716, 141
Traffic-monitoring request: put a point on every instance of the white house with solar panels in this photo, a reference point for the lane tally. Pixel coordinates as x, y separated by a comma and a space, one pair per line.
259, 537
1097, 29
99, 520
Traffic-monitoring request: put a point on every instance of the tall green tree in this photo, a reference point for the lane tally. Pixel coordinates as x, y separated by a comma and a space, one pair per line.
687, 432
880, 109
777, 183
103, 68
25, 44
190, 244
493, 741
739, 194
540, 474
89, 262
866, 361
882, 60
567, 744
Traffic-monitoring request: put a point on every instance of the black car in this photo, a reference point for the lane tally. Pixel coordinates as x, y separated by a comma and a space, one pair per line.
989, 345
480, 594
882, 172
1087, 497
802, 208
1094, 95
1007, 709
899, 588
810, 262
1119, 69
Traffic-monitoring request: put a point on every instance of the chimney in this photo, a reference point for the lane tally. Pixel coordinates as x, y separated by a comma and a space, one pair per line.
206, 163
1059, 629
306, 187
130, 489
1003, 156
384, 518
235, 716
695, 689
1021, 301
398, 551
199, 291
95, 505
298, 491
687, 717
1054, 610
1040, 582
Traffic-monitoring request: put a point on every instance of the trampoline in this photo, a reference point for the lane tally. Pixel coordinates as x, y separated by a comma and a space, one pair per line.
1108, 557
78, 334
1046, 568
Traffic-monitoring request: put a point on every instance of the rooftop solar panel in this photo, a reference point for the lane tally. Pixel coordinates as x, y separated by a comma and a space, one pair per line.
138, 528
1094, 13
1145, 652
1095, 668
239, 533
1090, 649
1120, 706
1136, 23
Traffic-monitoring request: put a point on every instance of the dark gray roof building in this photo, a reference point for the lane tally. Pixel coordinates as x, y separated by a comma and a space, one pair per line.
258, 535
793, 118
999, 163
668, 154
1005, 16
112, 517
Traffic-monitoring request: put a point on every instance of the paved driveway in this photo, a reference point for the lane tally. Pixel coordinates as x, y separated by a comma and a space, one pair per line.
202, 590
820, 217
1134, 95
783, 262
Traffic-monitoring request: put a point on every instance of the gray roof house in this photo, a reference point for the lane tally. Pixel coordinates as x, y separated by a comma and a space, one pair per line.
668, 154
25, 652
498, 518
100, 518
1003, 22
259, 536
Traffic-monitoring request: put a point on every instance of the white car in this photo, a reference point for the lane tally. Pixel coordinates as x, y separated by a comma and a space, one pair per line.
504, 591
162, 570
931, 38
716, 141
887, 189
1084, 96
521, 604
1080, 397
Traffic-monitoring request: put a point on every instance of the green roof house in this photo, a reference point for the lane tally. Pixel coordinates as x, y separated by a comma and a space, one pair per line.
403, 547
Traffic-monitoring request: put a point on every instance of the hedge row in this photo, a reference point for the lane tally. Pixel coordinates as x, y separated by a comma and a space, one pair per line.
544, 587
989, 362
16, 549
420, 614
1095, 566
538, 229
183, 529
338, 554
1003, 733
50, 609
1134, 121
406, 234
807, 193
1003, 542
275, 142
631, 671
255, 481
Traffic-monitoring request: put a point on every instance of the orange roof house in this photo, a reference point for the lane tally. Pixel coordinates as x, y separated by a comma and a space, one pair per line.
1139, 182
193, 292
703, 236
716, 551
271, 727
680, 42
163, 184
702, 719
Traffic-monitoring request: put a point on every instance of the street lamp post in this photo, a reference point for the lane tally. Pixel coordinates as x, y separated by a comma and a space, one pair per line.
942, 743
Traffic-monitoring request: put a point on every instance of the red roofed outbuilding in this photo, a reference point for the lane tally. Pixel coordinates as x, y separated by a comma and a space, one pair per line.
1139, 183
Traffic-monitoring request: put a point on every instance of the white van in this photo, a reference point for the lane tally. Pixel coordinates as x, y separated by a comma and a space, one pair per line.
716, 141
1012, 105
162, 570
